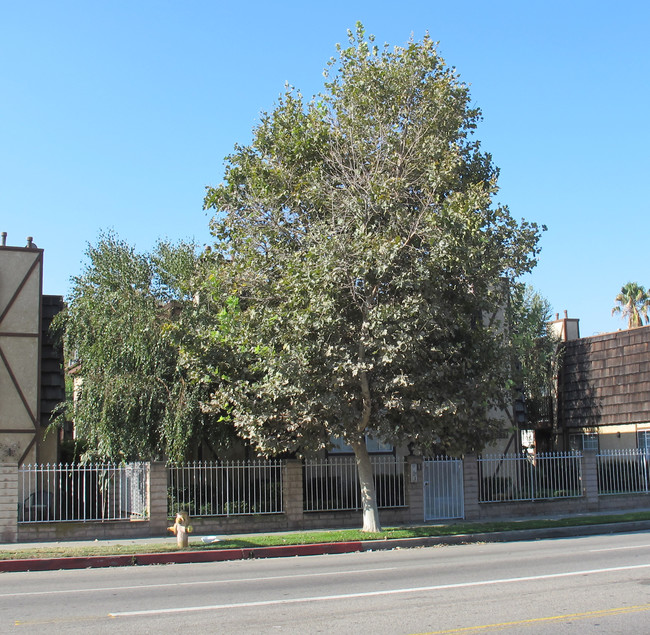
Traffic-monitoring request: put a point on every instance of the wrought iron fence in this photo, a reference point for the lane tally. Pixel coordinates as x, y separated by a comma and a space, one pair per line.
226, 489
61, 492
544, 476
332, 484
623, 471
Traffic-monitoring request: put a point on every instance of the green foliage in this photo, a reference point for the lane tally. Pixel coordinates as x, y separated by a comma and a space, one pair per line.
369, 260
536, 351
633, 303
70, 451
131, 322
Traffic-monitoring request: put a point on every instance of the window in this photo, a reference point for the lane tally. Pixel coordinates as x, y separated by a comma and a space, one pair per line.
528, 439
643, 440
339, 446
584, 441
374, 446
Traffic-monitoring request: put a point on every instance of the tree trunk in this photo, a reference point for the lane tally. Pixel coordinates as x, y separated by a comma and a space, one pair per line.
364, 467
367, 485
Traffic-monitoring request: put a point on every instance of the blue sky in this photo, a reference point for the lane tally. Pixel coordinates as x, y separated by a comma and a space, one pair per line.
117, 115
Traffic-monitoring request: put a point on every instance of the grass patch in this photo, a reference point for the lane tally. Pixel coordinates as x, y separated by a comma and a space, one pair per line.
302, 538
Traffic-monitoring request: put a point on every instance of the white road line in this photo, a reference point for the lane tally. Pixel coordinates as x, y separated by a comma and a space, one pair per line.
195, 583
619, 548
347, 596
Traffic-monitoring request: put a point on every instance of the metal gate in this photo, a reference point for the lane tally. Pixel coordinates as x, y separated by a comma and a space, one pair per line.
443, 488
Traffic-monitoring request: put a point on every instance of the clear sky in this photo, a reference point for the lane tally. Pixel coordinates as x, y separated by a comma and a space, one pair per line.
117, 115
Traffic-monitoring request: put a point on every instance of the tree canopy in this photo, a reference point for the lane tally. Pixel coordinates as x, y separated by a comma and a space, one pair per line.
132, 323
536, 352
369, 262
633, 303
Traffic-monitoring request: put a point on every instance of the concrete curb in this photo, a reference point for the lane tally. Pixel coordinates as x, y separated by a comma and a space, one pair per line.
179, 557
221, 555
509, 536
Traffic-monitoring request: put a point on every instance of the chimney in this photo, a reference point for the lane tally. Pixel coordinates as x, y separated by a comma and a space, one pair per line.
566, 328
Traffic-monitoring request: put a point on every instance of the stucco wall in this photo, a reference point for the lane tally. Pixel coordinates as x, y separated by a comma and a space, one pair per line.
20, 344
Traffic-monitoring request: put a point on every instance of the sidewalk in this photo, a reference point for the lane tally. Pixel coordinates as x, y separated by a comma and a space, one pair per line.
214, 554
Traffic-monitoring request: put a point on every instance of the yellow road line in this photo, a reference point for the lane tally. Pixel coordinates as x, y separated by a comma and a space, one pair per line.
537, 620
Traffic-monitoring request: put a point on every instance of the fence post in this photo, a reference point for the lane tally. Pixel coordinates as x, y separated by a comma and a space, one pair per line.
414, 481
590, 479
292, 493
157, 498
8, 502
471, 487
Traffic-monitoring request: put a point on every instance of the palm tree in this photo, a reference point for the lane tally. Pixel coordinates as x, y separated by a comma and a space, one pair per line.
633, 304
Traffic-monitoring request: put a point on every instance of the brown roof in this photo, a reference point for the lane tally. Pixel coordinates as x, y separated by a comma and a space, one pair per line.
605, 379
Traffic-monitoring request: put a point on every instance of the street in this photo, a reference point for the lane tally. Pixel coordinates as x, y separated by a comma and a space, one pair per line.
576, 585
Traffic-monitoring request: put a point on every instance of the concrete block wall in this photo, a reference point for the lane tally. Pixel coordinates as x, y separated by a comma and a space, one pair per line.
590, 479
530, 509
414, 489
90, 530
471, 487
292, 494
157, 495
8, 502
240, 524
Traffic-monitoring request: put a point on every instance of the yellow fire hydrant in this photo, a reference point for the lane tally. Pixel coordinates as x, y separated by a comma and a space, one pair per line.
181, 529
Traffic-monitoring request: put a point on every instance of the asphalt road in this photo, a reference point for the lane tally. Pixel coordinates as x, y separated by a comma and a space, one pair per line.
597, 584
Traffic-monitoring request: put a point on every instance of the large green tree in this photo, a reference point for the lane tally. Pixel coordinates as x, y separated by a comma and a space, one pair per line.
632, 303
369, 262
134, 322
